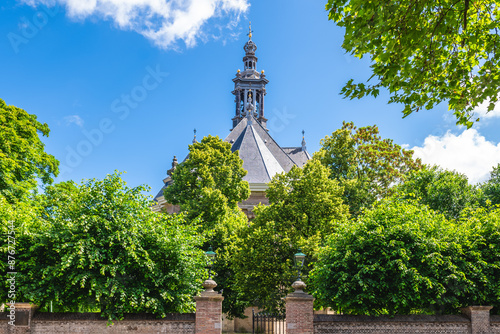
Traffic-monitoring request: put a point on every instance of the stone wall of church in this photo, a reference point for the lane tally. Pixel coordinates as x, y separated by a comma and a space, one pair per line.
256, 197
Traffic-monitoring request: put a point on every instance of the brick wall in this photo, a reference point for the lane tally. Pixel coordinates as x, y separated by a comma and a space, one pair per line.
479, 317
416, 324
300, 319
495, 324
209, 311
299, 313
206, 320
209, 317
93, 323
474, 320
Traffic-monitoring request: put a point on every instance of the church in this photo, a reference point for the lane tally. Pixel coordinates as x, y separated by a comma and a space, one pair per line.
262, 156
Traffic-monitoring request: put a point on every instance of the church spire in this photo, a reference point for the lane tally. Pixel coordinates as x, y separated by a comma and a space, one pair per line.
250, 84
250, 61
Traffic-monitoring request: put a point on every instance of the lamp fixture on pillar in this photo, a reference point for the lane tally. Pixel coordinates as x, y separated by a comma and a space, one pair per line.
299, 262
299, 258
211, 260
210, 284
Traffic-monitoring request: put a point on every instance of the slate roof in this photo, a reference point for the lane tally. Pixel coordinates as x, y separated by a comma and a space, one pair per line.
298, 155
160, 193
262, 156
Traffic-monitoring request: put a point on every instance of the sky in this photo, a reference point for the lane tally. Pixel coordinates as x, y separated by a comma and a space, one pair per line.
123, 83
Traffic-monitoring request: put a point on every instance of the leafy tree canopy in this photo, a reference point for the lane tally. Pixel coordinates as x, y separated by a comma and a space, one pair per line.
19, 224
208, 186
402, 257
491, 188
22, 155
102, 247
482, 257
425, 52
444, 191
209, 181
364, 164
305, 206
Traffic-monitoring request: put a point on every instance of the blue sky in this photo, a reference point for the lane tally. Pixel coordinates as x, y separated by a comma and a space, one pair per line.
122, 87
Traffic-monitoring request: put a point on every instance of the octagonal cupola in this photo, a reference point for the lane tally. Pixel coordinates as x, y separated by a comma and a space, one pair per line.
250, 85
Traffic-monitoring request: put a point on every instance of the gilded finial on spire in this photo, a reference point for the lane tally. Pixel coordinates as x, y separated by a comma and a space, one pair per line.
194, 139
250, 30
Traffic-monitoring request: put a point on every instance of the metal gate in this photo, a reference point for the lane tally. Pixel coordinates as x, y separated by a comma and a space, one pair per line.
268, 323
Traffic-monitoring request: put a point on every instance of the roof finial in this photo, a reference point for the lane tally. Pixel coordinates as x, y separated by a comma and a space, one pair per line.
174, 166
250, 30
194, 139
250, 108
303, 141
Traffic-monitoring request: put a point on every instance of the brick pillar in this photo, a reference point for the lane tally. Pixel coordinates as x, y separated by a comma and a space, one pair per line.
19, 318
209, 310
479, 318
299, 310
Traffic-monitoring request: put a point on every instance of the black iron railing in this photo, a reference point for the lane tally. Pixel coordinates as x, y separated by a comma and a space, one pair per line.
268, 323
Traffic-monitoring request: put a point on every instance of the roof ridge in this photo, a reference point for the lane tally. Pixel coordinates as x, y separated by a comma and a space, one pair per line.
266, 131
267, 156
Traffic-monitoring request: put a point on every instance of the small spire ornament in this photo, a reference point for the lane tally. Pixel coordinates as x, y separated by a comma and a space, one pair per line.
303, 141
250, 30
174, 166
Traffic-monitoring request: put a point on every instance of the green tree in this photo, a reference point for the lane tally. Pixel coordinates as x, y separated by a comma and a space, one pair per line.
425, 52
22, 156
208, 187
19, 224
482, 257
209, 181
402, 257
222, 239
23, 162
102, 247
491, 188
444, 191
305, 206
366, 165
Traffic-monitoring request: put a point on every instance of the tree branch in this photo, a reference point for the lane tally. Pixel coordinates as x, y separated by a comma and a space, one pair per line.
465, 14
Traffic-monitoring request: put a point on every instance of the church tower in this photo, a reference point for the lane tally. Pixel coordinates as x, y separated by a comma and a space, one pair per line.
250, 86
262, 156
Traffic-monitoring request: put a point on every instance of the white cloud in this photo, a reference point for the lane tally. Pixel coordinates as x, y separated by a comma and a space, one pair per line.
482, 111
165, 22
74, 119
468, 153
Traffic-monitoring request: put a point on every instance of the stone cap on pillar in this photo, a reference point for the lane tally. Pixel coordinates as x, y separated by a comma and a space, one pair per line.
299, 293
24, 306
470, 309
209, 293
205, 295
22, 312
